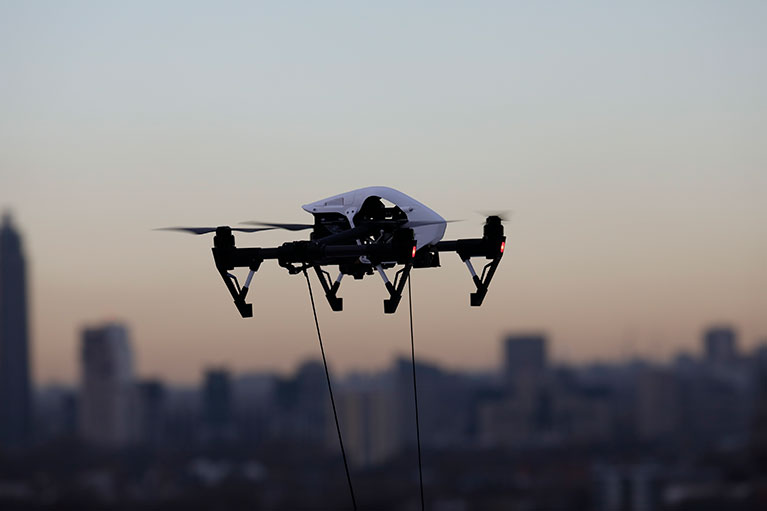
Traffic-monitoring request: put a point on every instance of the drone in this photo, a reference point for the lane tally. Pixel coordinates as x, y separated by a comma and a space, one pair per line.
360, 234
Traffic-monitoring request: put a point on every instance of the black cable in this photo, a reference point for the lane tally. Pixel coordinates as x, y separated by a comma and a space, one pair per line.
330, 389
415, 392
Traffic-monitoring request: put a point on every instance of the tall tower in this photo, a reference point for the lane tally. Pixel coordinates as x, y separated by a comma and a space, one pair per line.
217, 404
15, 406
107, 395
525, 354
721, 345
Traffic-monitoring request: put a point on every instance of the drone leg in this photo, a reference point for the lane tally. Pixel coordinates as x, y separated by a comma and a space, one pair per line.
383, 276
395, 290
246, 287
482, 283
245, 309
474, 276
336, 303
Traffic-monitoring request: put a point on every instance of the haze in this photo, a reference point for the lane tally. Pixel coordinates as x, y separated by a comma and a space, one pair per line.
629, 141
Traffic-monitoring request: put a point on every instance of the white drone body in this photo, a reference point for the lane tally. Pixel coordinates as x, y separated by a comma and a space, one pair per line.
348, 204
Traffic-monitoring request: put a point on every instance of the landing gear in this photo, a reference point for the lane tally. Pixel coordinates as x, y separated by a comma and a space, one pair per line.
482, 282
336, 303
395, 289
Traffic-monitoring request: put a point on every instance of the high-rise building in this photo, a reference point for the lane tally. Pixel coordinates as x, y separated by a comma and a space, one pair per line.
720, 345
369, 419
55, 413
628, 487
527, 411
525, 354
657, 404
303, 407
150, 412
108, 390
759, 414
15, 397
217, 406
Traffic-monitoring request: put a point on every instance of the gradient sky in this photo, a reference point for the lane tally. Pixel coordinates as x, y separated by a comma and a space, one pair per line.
629, 140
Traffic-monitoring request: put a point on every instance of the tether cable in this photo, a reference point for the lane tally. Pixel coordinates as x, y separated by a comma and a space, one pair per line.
330, 390
415, 392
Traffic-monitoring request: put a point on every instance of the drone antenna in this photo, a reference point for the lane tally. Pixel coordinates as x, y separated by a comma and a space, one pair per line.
330, 390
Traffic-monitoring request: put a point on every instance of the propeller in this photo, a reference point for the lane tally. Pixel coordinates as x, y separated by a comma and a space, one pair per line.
206, 230
419, 223
504, 215
303, 227
269, 226
288, 227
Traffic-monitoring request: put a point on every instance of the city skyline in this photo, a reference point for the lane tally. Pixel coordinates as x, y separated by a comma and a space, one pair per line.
628, 141
526, 349
601, 437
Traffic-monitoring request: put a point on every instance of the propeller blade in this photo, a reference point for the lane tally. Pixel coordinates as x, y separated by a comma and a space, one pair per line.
288, 227
206, 230
504, 214
419, 223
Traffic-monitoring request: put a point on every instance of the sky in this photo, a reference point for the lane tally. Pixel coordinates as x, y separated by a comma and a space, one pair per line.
629, 141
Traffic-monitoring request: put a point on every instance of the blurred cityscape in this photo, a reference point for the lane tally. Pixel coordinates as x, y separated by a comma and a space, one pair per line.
527, 435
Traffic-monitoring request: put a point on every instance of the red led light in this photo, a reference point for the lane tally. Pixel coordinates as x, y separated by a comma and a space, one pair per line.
503, 246
413, 254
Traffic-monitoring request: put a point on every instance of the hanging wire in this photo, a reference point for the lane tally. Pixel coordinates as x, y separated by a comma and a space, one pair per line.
415, 391
332, 400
